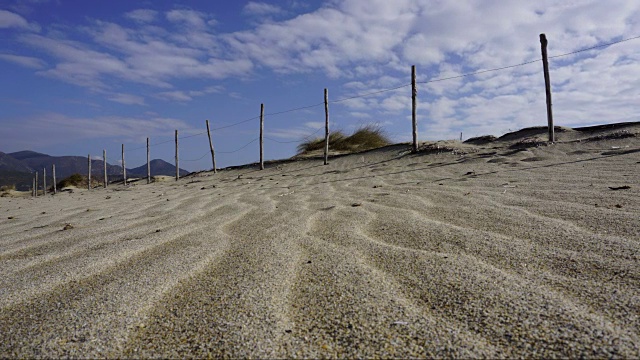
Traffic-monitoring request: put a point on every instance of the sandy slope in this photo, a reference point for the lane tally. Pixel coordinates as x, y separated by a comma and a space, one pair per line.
470, 251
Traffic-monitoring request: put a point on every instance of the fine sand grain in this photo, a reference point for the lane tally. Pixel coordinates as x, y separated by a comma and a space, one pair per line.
508, 248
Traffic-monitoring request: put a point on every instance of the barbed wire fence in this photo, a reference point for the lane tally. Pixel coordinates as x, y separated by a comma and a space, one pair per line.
413, 84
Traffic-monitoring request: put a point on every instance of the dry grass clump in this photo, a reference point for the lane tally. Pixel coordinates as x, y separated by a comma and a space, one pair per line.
76, 180
365, 138
7, 187
5, 190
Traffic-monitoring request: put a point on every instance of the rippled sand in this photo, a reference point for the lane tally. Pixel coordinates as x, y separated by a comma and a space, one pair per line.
479, 251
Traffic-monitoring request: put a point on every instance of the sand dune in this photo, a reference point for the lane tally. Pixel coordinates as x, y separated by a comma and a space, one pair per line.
502, 250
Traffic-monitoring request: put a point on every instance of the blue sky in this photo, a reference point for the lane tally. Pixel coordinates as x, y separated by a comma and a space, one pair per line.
82, 76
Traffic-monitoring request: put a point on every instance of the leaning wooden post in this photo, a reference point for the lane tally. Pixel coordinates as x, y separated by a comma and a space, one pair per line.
414, 120
104, 163
326, 126
55, 186
124, 168
261, 136
177, 161
37, 184
547, 86
44, 181
89, 173
148, 163
213, 154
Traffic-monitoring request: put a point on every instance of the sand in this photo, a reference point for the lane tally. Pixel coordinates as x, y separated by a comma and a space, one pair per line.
500, 250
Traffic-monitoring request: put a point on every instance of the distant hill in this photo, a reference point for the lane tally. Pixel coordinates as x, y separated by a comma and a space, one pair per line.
65, 165
158, 167
27, 154
17, 168
9, 163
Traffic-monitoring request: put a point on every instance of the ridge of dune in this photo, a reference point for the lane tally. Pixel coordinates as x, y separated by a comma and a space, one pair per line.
505, 248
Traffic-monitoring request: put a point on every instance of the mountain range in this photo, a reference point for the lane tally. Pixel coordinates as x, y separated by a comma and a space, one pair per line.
17, 168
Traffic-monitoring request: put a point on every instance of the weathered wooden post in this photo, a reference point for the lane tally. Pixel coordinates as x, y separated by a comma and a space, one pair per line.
261, 136
89, 172
414, 120
177, 161
547, 86
213, 154
37, 184
33, 187
326, 126
104, 163
55, 185
124, 168
44, 181
148, 163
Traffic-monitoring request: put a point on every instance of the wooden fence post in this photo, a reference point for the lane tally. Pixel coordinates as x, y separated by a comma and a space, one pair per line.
177, 161
33, 187
89, 176
547, 86
326, 126
37, 184
414, 120
213, 154
148, 163
124, 168
261, 136
55, 185
104, 163
44, 181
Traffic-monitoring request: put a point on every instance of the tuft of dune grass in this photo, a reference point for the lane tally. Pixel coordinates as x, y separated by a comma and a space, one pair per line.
365, 138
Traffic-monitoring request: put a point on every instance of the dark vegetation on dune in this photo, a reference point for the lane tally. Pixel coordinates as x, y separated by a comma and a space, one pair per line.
365, 138
78, 181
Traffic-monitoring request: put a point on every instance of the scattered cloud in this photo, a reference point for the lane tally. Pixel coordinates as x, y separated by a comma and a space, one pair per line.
185, 96
123, 53
369, 46
56, 128
190, 18
180, 96
359, 115
12, 20
253, 8
142, 15
309, 129
127, 99
26, 61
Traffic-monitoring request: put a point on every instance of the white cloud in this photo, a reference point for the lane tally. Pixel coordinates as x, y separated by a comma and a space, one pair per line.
360, 115
369, 46
108, 126
310, 129
26, 61
12, 20
142, 15
190, 18
55, 129
253, 8
127, 99
180, 96
136, 56
185, 96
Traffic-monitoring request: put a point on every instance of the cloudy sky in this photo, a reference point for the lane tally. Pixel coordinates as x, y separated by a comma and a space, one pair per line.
82, 76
